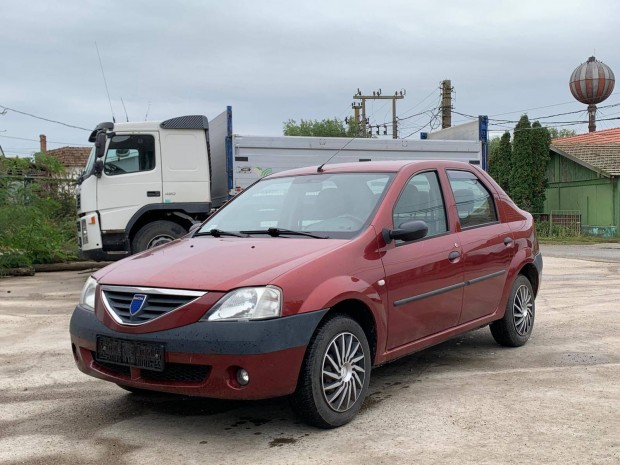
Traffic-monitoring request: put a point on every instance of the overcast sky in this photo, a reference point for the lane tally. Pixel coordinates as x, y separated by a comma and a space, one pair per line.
275, 60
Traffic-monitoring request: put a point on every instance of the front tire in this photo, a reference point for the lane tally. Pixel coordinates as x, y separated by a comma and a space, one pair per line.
515, 328
334, 378
156, 233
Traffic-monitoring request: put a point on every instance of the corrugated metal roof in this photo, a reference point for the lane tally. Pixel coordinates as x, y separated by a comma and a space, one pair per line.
599, 149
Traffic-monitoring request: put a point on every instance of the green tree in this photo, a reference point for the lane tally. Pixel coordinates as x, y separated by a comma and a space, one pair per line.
37, 208
500, 162
325, 128
540, 140
556, 133
521, 181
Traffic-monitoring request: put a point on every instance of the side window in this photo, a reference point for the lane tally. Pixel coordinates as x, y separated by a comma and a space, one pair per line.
421, 199
129, 154
474, 202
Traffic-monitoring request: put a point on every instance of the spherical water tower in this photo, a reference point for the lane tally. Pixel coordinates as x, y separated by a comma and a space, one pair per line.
591, 83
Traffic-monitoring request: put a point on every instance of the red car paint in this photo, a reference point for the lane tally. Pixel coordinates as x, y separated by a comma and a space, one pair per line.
318, 274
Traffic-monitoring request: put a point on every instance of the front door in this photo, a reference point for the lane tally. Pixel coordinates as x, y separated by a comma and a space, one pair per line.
131, 178
424, 278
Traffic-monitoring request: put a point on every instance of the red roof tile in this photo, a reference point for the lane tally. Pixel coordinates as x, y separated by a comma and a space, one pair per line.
607, 136
71, 156
600, 149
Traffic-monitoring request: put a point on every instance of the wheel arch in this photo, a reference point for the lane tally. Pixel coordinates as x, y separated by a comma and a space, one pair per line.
531, 273
359, 312
182, 214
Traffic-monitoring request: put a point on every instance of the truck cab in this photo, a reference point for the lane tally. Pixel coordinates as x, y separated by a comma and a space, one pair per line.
144, 185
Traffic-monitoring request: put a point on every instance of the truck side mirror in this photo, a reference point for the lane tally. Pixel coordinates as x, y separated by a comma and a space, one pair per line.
98, 168
100, 144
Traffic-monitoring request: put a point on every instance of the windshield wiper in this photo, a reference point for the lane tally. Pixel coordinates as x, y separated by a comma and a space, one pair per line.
218, 232
275, 232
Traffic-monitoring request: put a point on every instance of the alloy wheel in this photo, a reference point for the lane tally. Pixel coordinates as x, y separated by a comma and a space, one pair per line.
343, 372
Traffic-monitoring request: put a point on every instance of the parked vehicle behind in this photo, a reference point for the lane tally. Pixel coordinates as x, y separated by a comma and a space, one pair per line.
308, 279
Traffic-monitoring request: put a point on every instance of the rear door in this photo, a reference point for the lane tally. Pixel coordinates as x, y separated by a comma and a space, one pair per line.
487, 244
424, 277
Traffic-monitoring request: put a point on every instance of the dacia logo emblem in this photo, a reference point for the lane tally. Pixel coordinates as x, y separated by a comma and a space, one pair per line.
137, 304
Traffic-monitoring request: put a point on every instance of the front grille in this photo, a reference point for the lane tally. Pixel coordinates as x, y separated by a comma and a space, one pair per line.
178, 372
157, 302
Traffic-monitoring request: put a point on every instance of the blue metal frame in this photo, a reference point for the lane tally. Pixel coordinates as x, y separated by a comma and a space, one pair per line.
229, 147
483, 131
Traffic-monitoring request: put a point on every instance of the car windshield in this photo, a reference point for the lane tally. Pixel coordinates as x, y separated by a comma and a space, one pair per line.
328, 205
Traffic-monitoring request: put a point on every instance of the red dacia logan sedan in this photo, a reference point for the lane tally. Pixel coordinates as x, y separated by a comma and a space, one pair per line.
308, 279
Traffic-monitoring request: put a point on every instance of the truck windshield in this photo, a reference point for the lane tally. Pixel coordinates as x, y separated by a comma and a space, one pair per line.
334, 205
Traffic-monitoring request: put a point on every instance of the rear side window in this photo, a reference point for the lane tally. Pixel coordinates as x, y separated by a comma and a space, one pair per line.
421, 200
474, 202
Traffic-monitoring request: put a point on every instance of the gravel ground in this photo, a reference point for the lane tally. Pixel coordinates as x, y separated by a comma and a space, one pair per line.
555, 400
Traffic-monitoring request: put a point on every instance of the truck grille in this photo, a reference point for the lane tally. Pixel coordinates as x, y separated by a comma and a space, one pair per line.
138, 305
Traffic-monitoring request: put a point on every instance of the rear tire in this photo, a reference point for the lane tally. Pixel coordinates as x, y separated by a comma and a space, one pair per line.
515, 328
156, 233
334, 377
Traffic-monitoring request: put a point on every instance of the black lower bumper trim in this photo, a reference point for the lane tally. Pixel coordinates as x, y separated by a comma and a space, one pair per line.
213, 337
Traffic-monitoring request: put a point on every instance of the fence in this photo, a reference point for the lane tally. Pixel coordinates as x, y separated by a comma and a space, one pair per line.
559, 223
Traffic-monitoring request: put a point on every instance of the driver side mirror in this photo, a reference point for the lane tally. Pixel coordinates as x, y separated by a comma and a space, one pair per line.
98, 168
100, 144
407, 232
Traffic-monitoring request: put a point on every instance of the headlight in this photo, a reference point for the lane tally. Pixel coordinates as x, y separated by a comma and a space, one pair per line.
248, 303
87, 298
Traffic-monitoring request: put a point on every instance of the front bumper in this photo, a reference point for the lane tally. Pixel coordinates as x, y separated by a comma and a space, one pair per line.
201, 359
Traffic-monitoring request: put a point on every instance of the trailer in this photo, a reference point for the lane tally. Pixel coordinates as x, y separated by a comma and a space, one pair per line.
146, 183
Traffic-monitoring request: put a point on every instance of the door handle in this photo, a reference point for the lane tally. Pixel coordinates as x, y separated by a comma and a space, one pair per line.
454, 255
153, 193
508, 240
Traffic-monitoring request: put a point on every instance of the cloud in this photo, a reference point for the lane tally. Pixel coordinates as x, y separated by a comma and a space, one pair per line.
275, 60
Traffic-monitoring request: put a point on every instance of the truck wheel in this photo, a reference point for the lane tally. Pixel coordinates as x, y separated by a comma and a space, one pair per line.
335, 374
515, 328
156, 233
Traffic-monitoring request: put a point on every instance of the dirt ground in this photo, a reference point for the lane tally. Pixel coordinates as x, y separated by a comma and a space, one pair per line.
555, 400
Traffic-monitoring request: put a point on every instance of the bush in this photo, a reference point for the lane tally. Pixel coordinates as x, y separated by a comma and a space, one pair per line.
37, 215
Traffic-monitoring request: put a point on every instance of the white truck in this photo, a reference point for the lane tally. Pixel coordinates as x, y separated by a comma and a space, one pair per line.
146, 183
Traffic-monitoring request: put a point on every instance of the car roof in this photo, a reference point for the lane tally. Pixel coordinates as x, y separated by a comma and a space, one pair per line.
391, 166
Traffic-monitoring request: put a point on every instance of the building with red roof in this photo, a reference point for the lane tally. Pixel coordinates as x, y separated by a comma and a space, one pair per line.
583, 176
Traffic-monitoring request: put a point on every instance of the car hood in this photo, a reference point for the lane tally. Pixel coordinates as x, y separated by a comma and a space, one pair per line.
215, 264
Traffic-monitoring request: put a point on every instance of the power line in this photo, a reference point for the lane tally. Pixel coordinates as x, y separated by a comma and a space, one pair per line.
49, 141
539, 108
44, 119
421, 101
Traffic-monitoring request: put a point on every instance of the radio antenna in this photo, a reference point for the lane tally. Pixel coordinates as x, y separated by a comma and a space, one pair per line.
320, 168
147, 111
105, 82
126, 116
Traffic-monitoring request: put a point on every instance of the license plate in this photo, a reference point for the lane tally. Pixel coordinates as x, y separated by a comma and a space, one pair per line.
147, 355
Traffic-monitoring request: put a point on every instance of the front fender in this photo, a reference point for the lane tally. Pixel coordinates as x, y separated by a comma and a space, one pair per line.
338, 289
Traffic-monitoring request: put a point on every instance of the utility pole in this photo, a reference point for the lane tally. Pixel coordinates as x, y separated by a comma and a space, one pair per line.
376, 95
446, 103
356, 111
